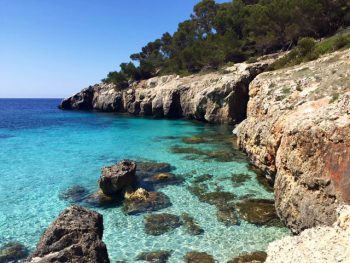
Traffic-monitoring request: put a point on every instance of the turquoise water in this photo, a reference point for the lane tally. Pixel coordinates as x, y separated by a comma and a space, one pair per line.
43, 151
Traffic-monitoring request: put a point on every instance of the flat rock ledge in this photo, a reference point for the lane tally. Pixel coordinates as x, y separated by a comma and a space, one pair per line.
215, 97
75, 236
328, 244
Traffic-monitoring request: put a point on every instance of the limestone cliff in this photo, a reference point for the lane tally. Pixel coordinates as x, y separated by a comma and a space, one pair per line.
298, 131
216, 97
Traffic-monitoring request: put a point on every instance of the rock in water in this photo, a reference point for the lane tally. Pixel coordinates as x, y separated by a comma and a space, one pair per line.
254, 257
142, 201
75, 236
118, 178
160, 256
198, 257
191, 225
159, 224
12, 251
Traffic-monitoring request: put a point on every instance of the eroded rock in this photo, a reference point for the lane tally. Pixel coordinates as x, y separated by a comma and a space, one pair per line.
117, 178
192, 227
253, 257
75, 236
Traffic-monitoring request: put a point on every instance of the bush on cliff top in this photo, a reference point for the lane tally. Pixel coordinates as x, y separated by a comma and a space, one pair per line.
234, 32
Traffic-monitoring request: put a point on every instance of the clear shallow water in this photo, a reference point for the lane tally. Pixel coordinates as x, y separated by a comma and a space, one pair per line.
43, 151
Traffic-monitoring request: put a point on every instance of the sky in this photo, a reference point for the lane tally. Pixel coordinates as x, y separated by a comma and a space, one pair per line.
54, 48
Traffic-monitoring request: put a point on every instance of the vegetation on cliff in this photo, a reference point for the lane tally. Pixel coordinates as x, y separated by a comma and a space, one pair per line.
233, 32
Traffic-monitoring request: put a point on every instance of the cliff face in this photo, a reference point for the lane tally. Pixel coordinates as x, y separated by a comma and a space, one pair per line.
217, 97
297, 130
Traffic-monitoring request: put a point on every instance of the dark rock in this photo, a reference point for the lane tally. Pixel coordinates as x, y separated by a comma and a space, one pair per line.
99, 199
118, 178
75, 236
258, 211
74, 194
163, 179
227, 215
191, 226
159, 224
239, 179
198, 257
153, 167
80, 101
202, 178
197, 189
143, 201
12, 251
217, 198
254, 257
186, 150
194, 140
160, 256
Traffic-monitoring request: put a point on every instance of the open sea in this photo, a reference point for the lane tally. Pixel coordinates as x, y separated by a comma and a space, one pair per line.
44, 151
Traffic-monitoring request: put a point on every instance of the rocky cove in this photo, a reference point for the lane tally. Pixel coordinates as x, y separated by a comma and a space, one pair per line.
294, 125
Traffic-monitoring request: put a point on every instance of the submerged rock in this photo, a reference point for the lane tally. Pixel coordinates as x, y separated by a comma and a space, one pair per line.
99, 199
194, 140
152, 167
75, 236
12, 252
254, 257
202, 178
217, 198
163, 179
191, 226
239, 179
258, 211
74, 194
227, 215
160, 256
198, 257
158, 224
143, 201
117, 178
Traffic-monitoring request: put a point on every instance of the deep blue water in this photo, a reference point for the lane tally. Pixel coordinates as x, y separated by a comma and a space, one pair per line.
44, 150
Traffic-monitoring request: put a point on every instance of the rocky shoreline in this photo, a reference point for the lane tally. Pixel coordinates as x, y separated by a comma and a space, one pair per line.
294, 125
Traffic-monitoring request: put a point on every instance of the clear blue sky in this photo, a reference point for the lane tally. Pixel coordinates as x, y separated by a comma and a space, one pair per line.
53, 48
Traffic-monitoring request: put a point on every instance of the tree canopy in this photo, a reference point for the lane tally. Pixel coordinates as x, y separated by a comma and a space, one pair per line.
233, 32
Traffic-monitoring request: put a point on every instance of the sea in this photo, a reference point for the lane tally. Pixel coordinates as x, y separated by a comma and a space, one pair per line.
44, 151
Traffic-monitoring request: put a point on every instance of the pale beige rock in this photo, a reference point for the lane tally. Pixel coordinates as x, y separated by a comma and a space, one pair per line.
216, 97
316, 245
297, 129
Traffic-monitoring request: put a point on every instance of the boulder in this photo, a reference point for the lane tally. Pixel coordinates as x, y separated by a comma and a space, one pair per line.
117, 178
75, 236
158, 224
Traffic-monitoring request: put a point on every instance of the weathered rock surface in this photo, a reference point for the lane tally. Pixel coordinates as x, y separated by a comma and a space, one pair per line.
75, 236
217, 97
118, 178
319, 244
297, 129
191, 225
